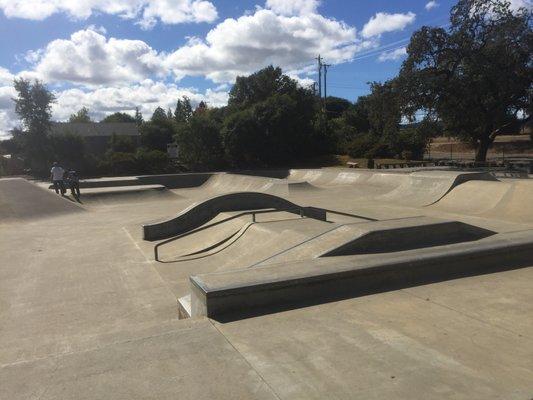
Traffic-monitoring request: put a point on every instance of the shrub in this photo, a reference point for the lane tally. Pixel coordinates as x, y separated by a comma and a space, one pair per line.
152, 161
119, 163
362, 145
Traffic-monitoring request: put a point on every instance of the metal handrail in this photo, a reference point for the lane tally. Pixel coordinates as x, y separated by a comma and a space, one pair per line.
252, 213
300, 210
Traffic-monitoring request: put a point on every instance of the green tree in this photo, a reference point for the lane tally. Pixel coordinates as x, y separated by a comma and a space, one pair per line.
202, 107
119, 117
15, 144
243, 140
384, 112
357, 116
156, 134
69, 149
199, 142
33, 106
336, 106
340, 134
151, 161
138, 117
475, 76
159, 115
259, 86
121, 144
119, 163
270, 120
377, 118
272, 132
363, 145
183, 111
81, 116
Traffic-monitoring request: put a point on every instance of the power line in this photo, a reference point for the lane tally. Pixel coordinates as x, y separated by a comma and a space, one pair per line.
380, 49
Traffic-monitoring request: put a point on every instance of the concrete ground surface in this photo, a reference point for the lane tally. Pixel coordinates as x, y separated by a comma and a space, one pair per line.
87, 313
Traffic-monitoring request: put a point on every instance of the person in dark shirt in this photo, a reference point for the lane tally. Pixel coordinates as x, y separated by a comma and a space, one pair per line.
74, 183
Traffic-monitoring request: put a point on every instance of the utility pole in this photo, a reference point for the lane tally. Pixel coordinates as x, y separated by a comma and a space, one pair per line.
319, 76
326, 66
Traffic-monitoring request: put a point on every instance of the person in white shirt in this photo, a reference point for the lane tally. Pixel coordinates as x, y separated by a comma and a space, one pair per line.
56, 175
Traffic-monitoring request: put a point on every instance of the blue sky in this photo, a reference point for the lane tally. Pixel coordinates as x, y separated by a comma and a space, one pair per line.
111, 55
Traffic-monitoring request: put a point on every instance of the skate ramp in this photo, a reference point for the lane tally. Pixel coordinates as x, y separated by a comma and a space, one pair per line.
23, 200
171, 181
202, 212
204, 240
507, 200
227, 183
249, 244
126, 194
302, 187
415, 189
382, 237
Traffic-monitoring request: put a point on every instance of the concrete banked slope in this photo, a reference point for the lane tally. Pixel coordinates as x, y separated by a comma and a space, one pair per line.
420, 188
23, 200
382, 237
202, 212
512, 201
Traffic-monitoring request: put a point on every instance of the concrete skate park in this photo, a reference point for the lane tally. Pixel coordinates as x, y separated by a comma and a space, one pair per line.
281, 284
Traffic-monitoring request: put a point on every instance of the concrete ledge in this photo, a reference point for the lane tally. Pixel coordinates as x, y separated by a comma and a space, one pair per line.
170, 181
240, 293
199, 214
176, 181
118, 190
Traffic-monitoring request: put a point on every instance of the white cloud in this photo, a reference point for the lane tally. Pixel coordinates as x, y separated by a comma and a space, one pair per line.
516, 4
89, 58
293, 7
393, 55
168, 12
243, 45
430, 5
147, 12
107, 74
383, 22
8, 118
234, 47
6, 77
147, 95
7, 109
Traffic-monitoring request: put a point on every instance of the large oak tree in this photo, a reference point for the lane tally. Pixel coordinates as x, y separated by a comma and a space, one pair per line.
474, 76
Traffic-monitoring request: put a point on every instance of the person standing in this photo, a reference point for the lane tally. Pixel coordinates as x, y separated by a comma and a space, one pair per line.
56, 175
74, 183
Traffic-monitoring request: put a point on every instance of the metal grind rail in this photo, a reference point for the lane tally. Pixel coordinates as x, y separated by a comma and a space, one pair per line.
202, 228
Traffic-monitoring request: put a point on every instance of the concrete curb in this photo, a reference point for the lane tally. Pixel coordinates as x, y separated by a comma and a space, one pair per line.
270, 288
